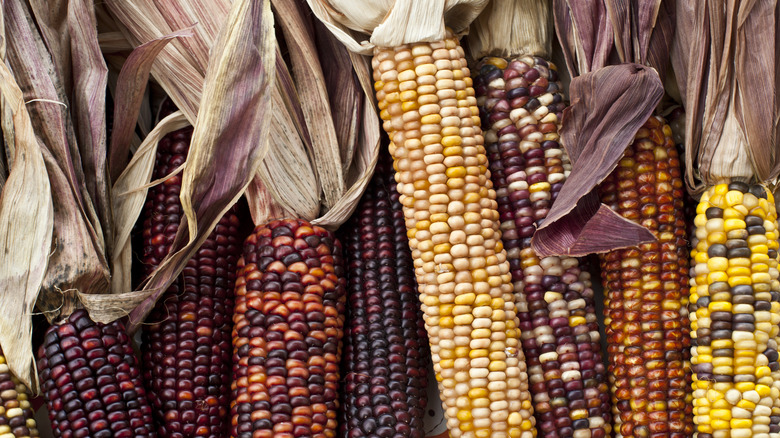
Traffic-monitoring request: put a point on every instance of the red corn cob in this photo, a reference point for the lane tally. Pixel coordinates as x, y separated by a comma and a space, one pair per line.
646, 292
289, 319
386, 353
92, 381
187, 348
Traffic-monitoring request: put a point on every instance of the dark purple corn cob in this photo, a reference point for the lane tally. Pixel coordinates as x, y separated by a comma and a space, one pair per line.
289, 324
92, 381
520, 103
187, 349
386, 354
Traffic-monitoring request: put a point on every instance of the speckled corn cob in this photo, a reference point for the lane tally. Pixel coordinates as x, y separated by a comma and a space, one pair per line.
16, 414
92, 381
521, 103
186, 340
735, 311
386, 355
429, 110
289, 320
646, 292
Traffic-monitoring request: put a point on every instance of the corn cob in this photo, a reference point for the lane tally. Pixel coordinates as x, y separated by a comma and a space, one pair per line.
386, 355
289, 319
427, 103
521, 103
92, 382
187, 346
16, 414
735, 311
646, 292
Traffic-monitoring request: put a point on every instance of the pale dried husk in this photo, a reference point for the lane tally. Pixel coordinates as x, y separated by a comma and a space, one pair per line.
726, 64
129, 196
391, 23
512, 28
26, 220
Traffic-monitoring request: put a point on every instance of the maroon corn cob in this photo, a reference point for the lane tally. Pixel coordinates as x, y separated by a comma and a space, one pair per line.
520, 104
386, 354
92, 381
289, 320
187, 347
646, 291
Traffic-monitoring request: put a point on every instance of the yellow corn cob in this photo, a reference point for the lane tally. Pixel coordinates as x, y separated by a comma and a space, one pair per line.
429, 110
646, 292
735, 311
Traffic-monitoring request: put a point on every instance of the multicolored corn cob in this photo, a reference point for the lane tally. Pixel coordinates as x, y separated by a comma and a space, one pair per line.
187, 347
427, 103
646, 292
17, 419
92, 381
386, 355
735, 312
521, 102
289, 320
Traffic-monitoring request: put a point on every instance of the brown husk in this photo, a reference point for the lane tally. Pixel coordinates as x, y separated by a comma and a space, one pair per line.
77, 259
609, 105
239, 77
129, 94
289, 180
627, 95
726, 64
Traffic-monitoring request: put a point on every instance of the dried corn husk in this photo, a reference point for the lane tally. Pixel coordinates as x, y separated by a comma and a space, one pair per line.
66, 214
312, 169
391, 23
615, 49
726, 64
26, 218
512, 28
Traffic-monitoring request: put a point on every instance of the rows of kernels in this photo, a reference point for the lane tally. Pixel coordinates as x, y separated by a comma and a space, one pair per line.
429, 111
92, 382
288, 327
646, 291
520, 103
16, 414
596, 380
187, 349
187, 344
386, 355
735, 311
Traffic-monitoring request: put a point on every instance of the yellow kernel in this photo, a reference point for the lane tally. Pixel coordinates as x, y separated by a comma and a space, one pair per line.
451, 140
740, 280
456, 172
